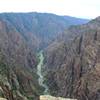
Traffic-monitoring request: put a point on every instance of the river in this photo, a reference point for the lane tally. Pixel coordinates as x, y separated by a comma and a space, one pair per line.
40, 74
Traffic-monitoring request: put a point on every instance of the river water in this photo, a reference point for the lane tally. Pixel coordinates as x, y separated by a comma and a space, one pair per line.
40, 73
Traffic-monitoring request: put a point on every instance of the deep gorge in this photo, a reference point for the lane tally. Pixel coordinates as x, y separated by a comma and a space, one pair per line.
70, 56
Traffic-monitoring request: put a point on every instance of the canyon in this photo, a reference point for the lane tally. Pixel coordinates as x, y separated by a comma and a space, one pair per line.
46, 54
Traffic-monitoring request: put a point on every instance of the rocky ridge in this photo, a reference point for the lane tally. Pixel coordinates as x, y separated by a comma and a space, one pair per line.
18, 80
72, 63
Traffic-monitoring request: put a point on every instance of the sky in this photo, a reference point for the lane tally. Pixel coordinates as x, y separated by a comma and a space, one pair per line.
77, 8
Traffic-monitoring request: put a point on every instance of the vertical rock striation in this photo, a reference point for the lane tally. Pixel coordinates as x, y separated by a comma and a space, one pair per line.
72, 63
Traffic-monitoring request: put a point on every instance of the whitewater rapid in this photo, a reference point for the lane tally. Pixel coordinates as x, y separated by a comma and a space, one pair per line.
40, 74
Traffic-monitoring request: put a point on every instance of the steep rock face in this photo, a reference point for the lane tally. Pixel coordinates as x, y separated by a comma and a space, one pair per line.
18, 79
73, 63
39, 29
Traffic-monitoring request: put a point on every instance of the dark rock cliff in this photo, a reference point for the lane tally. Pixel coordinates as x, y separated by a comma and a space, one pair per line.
18, 79
72, 63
